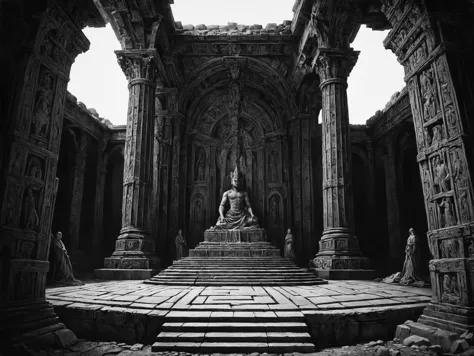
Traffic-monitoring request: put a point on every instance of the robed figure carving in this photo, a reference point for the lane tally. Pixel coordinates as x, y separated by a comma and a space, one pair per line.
240, 214
61, 267
411, 272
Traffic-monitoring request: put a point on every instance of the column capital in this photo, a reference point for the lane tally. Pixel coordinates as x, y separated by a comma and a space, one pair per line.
139, 66
334, 65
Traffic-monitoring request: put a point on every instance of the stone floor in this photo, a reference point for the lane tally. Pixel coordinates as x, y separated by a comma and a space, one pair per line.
334, 295
237, 319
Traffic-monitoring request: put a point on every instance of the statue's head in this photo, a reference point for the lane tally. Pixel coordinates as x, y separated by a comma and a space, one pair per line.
59, 235
236, 177
411, 231
180, 232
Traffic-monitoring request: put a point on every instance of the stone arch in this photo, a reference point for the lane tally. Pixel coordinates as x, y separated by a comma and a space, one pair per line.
210, 80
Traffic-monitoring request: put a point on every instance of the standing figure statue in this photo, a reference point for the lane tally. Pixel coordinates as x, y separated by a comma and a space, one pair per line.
181, 245
411, 267
289, 251
61, 270
240, 214
411, 273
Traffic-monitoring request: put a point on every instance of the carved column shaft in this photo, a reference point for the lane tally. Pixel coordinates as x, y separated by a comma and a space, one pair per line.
430, 47
77, 193
134, 248
338, 248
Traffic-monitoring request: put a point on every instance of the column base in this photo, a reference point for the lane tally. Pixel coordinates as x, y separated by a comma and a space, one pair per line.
122, 274
34, 325
132, 261
342, 267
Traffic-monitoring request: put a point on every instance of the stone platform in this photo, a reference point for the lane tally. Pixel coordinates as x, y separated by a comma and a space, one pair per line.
245, 235
239, 318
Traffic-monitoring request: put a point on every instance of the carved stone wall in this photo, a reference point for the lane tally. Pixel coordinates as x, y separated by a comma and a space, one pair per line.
37, 65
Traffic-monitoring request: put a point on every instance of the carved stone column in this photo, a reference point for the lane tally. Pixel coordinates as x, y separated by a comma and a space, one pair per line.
35, 71
339, 256
429, 43
101, 171
77, 195
134, 256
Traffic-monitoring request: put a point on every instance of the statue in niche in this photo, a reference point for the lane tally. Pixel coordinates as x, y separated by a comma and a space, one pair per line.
289, 250
31, 216
61, 267
273, 167
437, 135
200, 166
43, 103
450, 289
181, 245
427, 184
410, 274
427, 137
428, 92
458, 170
35, 171
448, 214
274, 210
240, 214
442, 175
197, 212
465, 211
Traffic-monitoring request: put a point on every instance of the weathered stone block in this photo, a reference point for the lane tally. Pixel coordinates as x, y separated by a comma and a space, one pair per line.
65, 338
402, 332
417, 341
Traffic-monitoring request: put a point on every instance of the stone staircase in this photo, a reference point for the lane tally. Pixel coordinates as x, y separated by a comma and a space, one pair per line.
226, 333
232, 264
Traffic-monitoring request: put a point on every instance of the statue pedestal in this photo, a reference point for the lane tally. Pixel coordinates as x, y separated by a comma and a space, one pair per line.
133, 258
235, 243
244, 235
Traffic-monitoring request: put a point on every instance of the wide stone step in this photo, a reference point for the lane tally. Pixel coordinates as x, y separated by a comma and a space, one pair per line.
231, 284
224, 336
206, 316
237, 273
296, 327
240, 347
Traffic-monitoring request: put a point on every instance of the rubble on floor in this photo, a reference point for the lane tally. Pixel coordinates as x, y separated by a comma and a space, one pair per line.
376, 348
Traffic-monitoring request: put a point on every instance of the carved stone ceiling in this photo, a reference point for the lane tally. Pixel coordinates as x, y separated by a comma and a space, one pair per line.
267, 97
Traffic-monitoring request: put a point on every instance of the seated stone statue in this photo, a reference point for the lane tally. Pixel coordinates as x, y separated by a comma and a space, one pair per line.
240, 214
61, 267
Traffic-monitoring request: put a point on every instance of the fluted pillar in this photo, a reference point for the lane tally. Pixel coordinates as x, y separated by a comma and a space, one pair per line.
134, 255
339, 256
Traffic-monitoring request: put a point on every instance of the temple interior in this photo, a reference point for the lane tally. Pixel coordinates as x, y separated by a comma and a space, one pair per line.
332, 204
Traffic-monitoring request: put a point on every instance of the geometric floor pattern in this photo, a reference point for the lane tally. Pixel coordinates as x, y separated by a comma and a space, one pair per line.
334, 295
